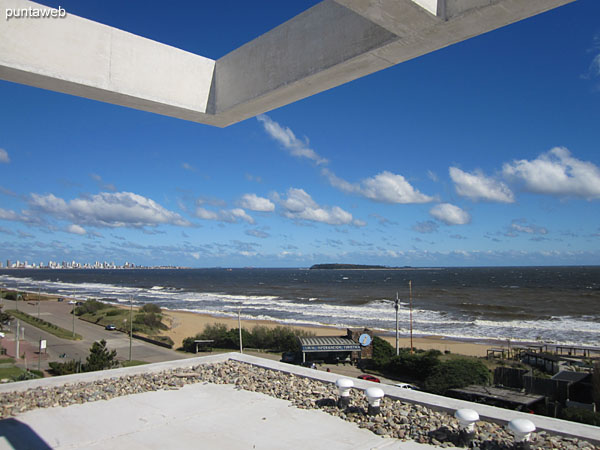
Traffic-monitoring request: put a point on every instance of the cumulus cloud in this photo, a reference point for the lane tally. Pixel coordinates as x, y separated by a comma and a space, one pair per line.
76, 229
256, 203
477, 186
450, 214
386, 187
289, 141
300, 206
4, 158
556, 173
234, 215
112, 210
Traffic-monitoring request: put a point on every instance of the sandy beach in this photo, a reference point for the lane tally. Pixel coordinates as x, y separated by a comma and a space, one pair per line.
185, 324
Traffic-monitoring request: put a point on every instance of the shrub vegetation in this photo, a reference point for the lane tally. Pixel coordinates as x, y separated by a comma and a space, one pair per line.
427, 369
277, 339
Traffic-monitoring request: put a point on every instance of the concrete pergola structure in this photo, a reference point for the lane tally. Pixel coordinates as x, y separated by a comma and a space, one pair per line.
297, 59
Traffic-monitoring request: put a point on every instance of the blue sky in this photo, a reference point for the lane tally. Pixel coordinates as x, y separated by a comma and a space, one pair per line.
483, 153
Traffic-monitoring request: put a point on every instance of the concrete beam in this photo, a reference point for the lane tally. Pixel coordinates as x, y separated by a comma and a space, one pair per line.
299, 58
80, 57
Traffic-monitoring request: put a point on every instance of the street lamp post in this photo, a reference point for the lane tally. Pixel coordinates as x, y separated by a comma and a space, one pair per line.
240, 328
410, 319
396, 305
17, 337
130, 324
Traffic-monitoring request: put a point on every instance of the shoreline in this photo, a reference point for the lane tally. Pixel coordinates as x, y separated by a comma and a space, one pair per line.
185, 323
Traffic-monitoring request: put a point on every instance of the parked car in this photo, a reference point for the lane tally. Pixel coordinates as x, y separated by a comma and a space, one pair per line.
288, 357
407, 386
110, 327
369, 378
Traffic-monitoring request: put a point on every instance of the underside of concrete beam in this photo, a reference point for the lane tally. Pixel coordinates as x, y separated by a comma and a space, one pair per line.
301, 57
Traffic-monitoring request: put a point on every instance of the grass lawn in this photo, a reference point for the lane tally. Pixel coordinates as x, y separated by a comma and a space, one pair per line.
119, 317
10, 372
133, 362
43, 325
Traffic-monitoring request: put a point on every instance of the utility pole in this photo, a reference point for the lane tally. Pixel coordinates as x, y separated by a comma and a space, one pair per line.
130, 324
396, 306
240, 328
410, 309
38, 303
73, 312
17, 356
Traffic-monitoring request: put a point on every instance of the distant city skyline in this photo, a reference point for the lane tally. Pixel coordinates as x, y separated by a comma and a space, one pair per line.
484, 153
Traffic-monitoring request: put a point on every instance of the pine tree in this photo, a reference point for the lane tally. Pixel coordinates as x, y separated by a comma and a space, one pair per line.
100, 358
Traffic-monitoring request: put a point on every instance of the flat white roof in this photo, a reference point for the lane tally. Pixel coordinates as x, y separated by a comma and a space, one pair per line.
208, 416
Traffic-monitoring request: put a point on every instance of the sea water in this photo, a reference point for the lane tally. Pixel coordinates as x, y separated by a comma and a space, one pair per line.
550, 304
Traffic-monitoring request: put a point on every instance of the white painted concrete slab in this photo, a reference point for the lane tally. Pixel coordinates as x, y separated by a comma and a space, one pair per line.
206, 416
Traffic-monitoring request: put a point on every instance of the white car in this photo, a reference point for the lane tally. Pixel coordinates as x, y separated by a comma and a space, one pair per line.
407, 386
72, 302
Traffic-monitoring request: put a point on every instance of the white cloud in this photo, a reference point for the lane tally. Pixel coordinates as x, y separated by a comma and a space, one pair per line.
521, 226
119, 209
7, 214
76, 229
258, 233
256, 203
450, 214
556, 173
300, 206
289, 141
106, 186
188, 166
205, 214
595, 66
234, 215
429, 226
477, 186
4, 158
385, 187
432, 176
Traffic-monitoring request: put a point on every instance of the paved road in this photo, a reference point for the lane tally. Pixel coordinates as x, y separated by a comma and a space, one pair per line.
59, 313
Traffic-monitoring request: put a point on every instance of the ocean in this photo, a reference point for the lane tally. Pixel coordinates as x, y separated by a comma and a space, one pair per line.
529, 304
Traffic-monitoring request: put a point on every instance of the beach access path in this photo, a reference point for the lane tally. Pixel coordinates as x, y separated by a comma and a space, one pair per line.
59, 313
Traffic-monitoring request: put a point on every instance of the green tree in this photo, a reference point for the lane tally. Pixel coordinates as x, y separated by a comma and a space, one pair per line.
151, 308
382, 351
455, 374
100, 358
4, 317
64, 368
90, 306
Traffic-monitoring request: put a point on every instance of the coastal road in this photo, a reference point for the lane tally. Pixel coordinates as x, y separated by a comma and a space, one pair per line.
59, 313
